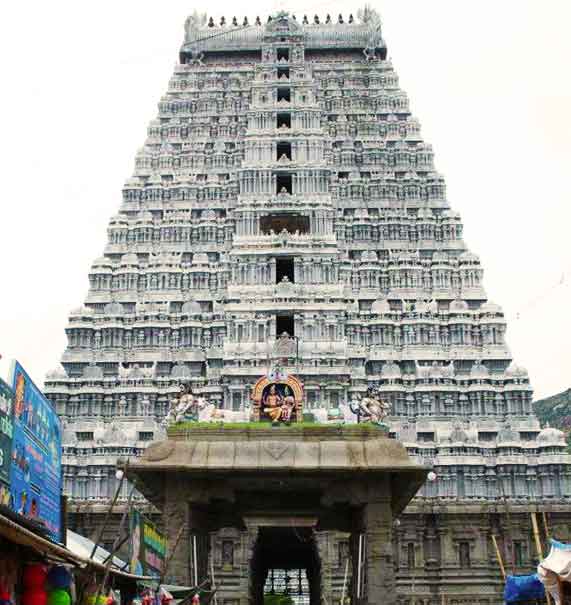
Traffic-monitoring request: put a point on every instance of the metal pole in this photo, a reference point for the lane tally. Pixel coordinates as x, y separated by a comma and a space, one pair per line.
359, 566
195, 561
118, 542
499, 557
109, 510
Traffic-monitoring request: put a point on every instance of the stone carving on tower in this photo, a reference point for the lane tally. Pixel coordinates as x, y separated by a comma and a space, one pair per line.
285, 206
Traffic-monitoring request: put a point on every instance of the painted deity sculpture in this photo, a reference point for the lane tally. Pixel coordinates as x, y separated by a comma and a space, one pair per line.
273, 404
287, 405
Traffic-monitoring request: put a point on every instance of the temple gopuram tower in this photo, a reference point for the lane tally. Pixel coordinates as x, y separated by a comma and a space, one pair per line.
285, 212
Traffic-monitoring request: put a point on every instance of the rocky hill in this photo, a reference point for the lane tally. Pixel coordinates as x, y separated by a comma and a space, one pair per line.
556, 410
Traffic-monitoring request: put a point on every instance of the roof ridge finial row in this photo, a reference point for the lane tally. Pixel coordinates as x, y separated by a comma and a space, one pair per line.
258, 22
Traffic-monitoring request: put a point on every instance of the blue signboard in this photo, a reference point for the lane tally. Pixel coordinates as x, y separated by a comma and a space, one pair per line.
35, 475
6, 430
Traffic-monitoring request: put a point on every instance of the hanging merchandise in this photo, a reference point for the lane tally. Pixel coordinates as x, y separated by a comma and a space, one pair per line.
147, 598
59, 582
111, 598
523, 588
34, 576
34, 579
35, 596
59, 596
5, 597
59, 577
164, 596
10, 574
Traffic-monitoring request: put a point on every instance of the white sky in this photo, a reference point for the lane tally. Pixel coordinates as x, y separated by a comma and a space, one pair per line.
488, 79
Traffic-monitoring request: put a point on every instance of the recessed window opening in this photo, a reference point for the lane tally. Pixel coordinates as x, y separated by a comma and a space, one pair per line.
285, 268
292, 223
284, 324
284, 120
464, 554
284, 93
283, 183
84, 436
427, 437
518, 553
283, 53
411, 555
461, 485
283, 149
283, 71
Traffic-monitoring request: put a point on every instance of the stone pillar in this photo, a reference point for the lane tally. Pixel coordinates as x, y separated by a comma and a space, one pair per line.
246, 587
377, 526
175, 516
324, 551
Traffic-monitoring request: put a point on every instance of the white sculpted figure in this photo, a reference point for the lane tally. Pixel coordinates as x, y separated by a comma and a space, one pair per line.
185, 407
193, 24
371, 408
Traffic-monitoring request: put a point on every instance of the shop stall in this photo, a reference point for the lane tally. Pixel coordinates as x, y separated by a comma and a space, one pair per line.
36, 571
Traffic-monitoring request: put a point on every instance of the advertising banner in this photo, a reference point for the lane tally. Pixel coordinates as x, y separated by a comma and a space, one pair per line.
6, 430
148, 547
35, 474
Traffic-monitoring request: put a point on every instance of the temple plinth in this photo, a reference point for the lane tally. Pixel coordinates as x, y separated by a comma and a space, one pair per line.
282, 489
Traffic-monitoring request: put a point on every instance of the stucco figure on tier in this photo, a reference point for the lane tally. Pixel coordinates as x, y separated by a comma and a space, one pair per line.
185, 407
371, 408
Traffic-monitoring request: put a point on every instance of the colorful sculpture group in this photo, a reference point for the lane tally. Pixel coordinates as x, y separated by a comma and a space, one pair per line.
278, 403
277, 397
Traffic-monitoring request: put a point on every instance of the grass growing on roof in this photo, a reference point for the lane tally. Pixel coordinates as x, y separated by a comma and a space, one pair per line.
363, 427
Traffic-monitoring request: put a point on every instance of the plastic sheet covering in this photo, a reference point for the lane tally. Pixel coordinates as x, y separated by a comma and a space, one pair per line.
556, 566
523, 588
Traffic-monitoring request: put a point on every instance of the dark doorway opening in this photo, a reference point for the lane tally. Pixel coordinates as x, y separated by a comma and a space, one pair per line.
280, 221
284, 183
286, 562
284, 94
283, 54
285, 323
285, 268
283, 149
283, 71
284, 120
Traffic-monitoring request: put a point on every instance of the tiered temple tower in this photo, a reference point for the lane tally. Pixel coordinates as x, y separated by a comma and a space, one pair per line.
284, 205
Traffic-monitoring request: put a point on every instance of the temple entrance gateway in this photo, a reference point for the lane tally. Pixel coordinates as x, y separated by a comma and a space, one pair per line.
286, 562
258, 504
